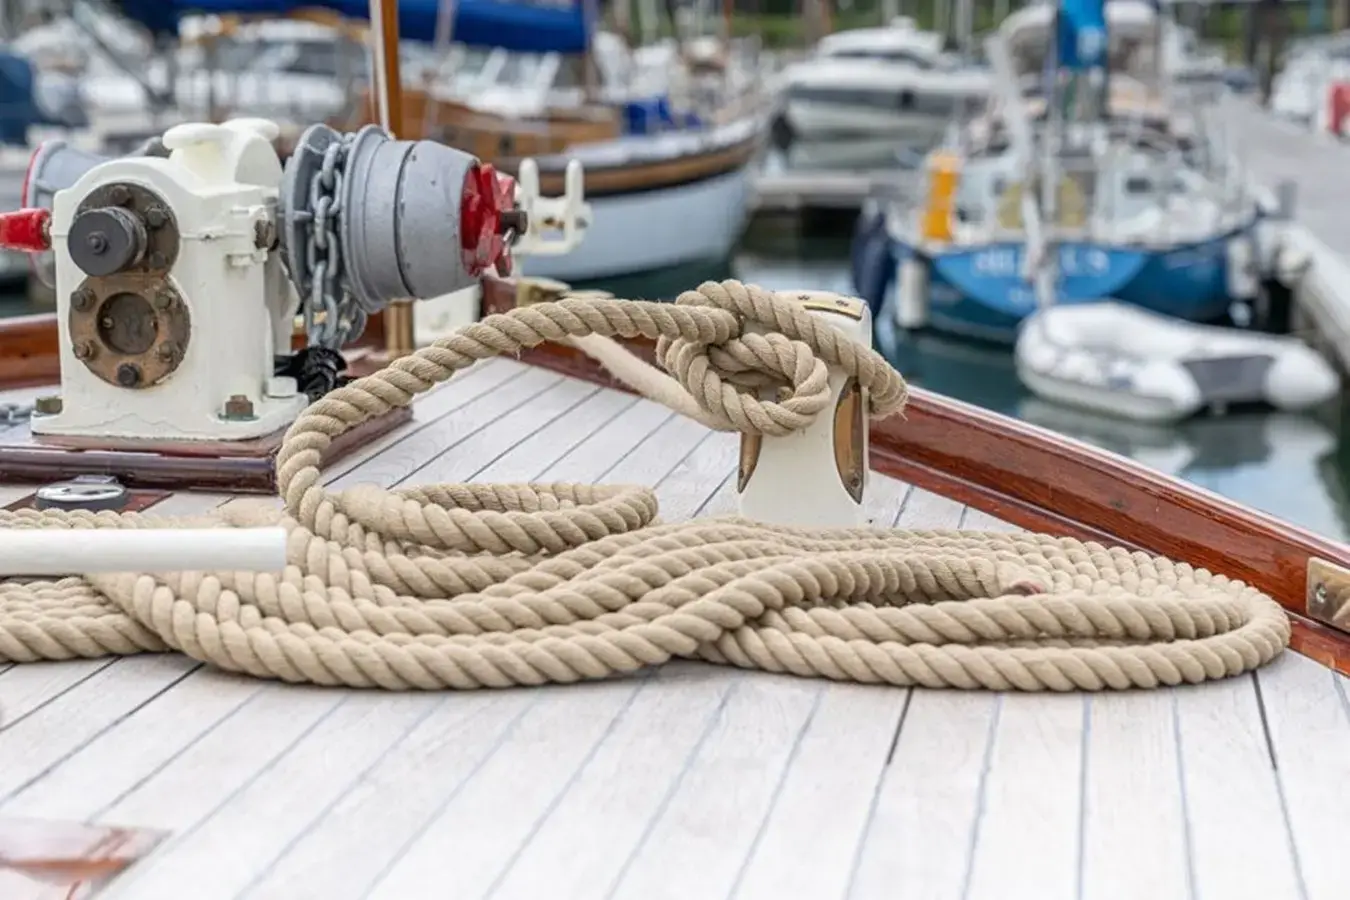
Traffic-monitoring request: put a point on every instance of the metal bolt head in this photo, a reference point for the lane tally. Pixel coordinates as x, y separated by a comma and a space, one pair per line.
85, 350
128, 375
167, 351
157, 259
264, 234
156, 217
82, 299
163, 300
97, 242
47, 406
238, 407
118, 195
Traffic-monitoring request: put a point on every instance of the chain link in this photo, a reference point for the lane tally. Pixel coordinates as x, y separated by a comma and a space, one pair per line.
327, 292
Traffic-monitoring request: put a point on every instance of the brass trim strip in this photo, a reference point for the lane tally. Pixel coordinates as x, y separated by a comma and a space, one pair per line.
751, 444
850, 440
844, 306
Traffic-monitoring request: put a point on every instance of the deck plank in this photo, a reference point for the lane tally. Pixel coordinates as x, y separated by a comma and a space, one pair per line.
551, 415
324, 857
223, 850
1026, 840
577, 850
113, 763
506, 432
406, 458
28, 687
51, 733
692, 780
709, 820
919, 831
1308, 718
1239, 844
918, 827
499, 807
831, 785
1132, 799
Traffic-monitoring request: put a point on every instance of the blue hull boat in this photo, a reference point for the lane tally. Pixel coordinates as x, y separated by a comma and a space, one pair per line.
1101, 167
980, 292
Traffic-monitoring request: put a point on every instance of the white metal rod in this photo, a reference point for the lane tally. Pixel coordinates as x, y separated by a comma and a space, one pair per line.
377, 80
62, 552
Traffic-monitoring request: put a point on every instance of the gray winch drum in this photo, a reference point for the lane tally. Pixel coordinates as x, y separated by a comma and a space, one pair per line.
398, 216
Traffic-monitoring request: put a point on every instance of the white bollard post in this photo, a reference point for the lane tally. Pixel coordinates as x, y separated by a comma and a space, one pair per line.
53, 552
816, 477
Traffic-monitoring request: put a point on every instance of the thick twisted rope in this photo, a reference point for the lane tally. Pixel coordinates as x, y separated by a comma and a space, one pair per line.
483, 585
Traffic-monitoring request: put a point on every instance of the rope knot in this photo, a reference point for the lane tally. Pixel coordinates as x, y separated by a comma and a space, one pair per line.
772, 376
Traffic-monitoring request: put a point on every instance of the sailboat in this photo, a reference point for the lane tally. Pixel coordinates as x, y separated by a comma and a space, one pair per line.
1100, 184
668, 161
659, 763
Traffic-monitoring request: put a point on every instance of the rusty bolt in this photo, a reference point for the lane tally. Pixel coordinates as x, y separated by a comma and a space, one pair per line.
163, 300
264, 235
515, 221
156, 217
85, 350
128, 375
167, 351
47, 406
238, 407
118, 195
82, 299
158, 260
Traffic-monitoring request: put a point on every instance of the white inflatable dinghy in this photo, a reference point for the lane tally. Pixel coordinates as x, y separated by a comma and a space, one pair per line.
1124, 361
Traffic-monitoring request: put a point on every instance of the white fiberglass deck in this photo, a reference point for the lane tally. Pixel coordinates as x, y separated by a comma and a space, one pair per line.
689, 782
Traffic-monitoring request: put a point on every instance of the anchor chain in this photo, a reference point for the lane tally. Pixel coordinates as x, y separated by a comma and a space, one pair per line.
324, 288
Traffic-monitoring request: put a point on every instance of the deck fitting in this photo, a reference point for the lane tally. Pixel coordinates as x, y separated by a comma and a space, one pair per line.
1329, 593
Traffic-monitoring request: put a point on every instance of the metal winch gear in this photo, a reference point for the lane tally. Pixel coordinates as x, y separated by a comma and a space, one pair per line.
367, 219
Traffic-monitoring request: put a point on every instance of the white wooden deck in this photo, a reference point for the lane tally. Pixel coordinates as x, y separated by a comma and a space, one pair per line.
689, 782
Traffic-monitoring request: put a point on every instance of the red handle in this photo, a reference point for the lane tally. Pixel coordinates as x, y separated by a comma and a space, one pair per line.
26, 229
487, 194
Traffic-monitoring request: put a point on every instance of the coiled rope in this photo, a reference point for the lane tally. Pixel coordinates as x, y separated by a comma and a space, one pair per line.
490, 585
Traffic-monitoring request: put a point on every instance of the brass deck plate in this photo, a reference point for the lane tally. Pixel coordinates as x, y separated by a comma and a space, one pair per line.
843, 306
1329, 593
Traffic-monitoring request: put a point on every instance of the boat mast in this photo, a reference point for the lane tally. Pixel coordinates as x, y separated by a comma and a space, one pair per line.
399, 335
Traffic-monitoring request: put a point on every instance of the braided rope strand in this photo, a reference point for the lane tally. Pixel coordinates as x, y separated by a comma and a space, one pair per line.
489, 585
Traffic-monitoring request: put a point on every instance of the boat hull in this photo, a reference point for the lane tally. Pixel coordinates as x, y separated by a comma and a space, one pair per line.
648, 230
830, 116
980, 291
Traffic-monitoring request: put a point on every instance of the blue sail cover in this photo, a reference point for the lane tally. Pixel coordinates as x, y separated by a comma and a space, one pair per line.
562, 26
1082, 38
18, 109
